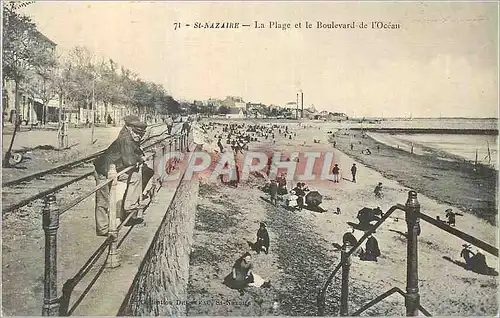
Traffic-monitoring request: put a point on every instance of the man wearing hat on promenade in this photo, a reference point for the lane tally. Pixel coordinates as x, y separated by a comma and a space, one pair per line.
124, 152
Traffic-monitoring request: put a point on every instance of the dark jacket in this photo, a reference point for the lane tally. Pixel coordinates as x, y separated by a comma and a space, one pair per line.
299, 192
263, 236
123, 152
372, 247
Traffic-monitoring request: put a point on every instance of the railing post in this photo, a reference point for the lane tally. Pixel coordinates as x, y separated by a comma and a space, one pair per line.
113, 257
51, 302
344, 291
412, 299
175, 143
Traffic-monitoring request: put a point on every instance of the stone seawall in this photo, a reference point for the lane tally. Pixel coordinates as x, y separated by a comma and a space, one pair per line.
160, 286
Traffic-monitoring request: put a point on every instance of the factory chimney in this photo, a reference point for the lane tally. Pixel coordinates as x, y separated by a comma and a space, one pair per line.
297, 107
302, 104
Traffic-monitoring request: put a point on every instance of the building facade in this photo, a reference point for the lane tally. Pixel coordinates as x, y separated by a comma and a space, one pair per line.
31, 108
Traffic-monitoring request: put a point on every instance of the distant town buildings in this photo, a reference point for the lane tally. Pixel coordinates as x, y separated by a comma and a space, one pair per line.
234, 107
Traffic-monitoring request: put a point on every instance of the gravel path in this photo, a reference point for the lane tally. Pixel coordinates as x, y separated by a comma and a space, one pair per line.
305, 261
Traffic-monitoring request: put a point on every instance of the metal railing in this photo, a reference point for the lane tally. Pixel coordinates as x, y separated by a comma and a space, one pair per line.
61, 168
412, 296
59, 306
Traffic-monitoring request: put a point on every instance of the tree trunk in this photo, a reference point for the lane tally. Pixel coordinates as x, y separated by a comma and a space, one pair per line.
105, 114
16, 124
60, 132
44, 111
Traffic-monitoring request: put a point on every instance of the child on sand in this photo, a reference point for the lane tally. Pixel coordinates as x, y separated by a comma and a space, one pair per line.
378, 191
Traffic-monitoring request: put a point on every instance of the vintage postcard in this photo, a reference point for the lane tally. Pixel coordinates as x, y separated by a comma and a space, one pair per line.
233, 158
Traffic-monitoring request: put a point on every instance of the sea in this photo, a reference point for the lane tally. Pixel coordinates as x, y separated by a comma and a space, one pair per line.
446, 146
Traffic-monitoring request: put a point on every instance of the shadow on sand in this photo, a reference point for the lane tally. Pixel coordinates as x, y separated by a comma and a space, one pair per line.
489, 271
314, 209
399, 232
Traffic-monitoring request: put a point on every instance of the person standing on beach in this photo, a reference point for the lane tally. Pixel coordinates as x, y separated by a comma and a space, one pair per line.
451, 216
353, 172
378, 190
219, 144
170, 124
352, 146
274, 192
336, 171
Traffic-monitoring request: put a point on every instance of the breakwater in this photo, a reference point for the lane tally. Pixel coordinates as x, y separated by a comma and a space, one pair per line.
492, 132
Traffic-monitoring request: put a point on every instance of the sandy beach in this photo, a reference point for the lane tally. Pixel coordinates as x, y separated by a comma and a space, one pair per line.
302, 254
454, 182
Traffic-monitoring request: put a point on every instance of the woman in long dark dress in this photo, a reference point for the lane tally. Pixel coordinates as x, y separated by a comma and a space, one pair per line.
241, 274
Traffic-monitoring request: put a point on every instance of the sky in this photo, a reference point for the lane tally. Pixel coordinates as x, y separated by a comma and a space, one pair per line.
442, 61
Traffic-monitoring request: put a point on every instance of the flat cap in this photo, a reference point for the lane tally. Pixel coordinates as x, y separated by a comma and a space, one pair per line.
134, 121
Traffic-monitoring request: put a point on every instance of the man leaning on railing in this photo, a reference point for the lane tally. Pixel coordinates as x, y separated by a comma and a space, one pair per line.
124, 152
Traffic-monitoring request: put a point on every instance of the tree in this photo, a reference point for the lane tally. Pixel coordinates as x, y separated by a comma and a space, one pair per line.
42, 82
173, 106
23, 50
127, 82
83, 76
223, 110
108, 88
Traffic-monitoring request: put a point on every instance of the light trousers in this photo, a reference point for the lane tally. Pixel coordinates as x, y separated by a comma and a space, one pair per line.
127, 201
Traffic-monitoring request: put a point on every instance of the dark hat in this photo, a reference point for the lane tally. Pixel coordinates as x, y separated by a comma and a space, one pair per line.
134, 121
447, 210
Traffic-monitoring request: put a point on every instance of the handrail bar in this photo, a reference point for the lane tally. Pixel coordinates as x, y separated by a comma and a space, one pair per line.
69, 182
385, 295
106, 182
57, 168
44, 193
464, 236
322, 294
377, 300
66, 165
